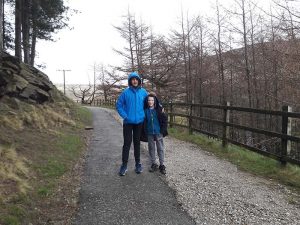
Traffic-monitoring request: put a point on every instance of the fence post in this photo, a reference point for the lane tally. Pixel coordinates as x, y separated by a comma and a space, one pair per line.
171, 116
226, 117
190, 119
286, 129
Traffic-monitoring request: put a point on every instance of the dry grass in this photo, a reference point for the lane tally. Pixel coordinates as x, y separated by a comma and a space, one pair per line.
11, 121
14, 168
40, 117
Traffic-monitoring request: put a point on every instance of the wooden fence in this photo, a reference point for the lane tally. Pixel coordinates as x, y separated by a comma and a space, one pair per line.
101, 102
194, 117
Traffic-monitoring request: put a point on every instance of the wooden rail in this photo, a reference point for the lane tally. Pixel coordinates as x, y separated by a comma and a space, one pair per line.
285, 135
226, 110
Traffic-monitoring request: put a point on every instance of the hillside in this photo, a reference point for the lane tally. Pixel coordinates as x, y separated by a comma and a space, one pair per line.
42, 140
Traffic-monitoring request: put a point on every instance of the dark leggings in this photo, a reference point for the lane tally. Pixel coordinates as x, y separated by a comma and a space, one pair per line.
128, 130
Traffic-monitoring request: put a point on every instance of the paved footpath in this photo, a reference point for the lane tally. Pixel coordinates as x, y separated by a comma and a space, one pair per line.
107, 198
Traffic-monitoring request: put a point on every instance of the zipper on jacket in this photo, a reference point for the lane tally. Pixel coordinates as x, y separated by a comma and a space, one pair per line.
152, 121
135, 105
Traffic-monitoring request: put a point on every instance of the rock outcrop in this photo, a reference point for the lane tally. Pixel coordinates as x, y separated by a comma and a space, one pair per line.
24, 82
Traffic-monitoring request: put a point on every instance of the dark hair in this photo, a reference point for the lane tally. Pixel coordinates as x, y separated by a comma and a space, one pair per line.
151, 94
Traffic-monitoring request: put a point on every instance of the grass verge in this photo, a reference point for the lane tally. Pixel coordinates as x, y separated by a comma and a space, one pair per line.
244, 159
37, 176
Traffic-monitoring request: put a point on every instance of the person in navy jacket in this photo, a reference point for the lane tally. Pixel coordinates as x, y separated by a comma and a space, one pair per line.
155, 128
130, 107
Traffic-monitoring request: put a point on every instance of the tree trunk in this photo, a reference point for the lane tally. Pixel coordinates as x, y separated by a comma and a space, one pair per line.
184, 58
190, 86
220, 57
1, 31
254, 62
25, 30
18, 22
33, 43
247, 70
130, 41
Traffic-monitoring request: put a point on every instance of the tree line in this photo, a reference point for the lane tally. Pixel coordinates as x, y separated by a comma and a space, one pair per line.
247, 53
24, 22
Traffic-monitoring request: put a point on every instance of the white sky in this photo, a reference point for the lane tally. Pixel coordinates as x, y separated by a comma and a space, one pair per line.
94, 36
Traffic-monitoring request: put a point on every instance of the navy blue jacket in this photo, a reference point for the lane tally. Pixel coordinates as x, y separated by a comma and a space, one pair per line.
162, 119
131, 101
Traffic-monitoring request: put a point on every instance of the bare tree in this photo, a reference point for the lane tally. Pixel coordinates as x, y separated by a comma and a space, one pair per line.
219, 52
202, 38
109, 78
83, 93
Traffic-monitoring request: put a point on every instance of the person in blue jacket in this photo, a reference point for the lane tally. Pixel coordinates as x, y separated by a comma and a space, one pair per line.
155, 128
130, 107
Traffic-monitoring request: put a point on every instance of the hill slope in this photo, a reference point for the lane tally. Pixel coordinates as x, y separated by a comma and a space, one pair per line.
42, 140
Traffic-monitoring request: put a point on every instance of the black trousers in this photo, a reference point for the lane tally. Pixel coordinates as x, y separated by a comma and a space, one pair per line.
131, 132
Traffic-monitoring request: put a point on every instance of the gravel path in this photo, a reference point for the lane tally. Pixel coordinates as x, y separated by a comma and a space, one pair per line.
213, 191
107, 198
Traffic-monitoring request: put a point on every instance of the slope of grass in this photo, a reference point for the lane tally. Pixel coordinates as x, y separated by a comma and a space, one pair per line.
39, 146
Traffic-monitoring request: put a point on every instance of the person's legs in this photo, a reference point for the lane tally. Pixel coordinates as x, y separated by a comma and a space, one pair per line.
137, 129
161, 153
127, 135
160, 149
151, 148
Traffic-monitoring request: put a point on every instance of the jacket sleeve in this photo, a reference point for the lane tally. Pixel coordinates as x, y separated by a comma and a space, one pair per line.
163, 120
121, 105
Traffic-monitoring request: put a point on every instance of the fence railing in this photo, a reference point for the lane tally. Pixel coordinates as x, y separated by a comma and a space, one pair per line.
193, 117
100, 102
274, 140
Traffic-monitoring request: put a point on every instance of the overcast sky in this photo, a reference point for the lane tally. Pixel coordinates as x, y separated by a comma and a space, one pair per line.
93, 35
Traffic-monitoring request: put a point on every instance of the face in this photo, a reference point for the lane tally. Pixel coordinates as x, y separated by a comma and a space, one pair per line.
134, 82
150, 101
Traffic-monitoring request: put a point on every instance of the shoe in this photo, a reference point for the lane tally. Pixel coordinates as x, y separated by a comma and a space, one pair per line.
123, 170
153, 167
162, 169
138, 168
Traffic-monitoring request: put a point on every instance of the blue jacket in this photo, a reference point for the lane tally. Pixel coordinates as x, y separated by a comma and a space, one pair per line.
153, 126
131, 102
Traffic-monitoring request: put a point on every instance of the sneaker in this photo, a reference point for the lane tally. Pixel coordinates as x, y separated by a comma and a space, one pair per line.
138, 168
153, 167
162, 169
123, 170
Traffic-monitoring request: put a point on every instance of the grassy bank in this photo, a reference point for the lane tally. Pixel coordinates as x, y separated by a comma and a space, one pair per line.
41, 150
244, 159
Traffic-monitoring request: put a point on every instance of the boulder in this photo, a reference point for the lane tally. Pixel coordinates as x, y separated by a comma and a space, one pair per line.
24, 82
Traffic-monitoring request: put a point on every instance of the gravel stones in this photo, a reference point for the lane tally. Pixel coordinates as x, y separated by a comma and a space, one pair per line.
213, 191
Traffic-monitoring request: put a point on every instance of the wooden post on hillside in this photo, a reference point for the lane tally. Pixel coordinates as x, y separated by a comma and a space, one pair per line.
226, 117
286, 129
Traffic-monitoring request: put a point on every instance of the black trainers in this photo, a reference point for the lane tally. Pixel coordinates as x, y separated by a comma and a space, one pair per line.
153, 167
162, 169
138, 168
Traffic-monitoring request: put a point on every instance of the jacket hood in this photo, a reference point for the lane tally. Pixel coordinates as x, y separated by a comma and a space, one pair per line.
134, 75
157, 104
